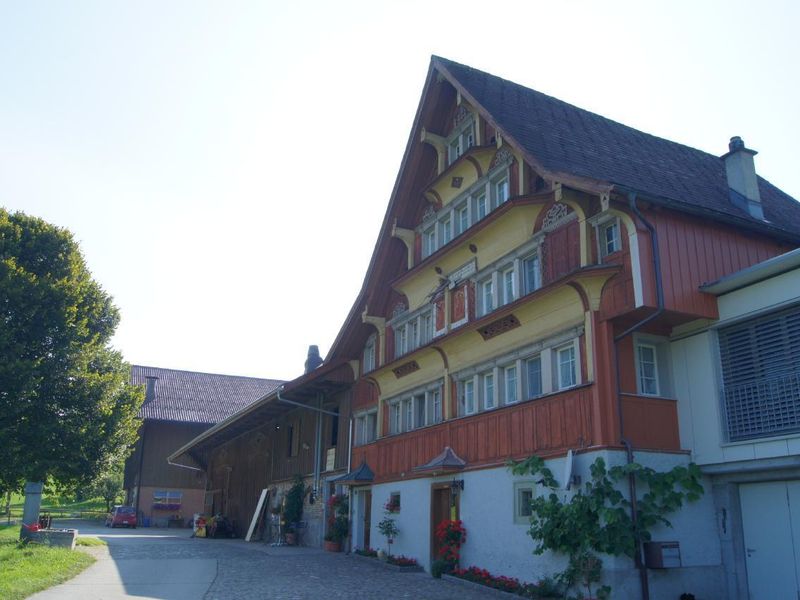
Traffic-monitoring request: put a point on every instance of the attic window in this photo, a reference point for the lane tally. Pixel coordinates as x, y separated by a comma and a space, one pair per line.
461, 140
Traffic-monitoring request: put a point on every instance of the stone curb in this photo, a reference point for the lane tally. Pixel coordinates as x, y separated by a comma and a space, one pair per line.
376, 561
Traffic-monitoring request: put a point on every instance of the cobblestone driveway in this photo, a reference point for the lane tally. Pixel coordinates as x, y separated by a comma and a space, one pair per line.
256, 570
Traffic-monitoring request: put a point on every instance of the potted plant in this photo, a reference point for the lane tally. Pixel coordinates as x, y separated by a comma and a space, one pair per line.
388, 529
293, 509
338, 523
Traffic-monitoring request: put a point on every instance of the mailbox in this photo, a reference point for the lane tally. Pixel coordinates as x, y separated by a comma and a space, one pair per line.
662, 555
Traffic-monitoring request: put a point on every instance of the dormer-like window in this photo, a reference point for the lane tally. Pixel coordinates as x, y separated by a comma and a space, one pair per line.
461, 140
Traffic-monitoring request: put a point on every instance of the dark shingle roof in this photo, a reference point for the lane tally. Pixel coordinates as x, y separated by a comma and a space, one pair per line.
568, 139
192, 397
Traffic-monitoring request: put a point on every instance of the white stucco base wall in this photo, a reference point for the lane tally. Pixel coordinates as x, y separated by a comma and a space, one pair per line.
496, 542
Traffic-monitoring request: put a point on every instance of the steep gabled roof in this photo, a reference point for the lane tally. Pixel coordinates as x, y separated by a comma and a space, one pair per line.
570, 144
565, 139
191, 397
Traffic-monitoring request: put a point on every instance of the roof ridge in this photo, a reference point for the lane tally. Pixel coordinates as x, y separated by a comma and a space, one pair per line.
207, 373
574, 106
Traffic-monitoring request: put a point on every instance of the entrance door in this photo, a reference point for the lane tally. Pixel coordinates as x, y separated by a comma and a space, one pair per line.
442, 509
771, 523
367, 499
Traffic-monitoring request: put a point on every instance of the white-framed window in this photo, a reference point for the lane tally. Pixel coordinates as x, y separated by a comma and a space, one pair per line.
400, 341
462, 218
466, 390
608, 233
500, 191
489, 400
533, 376
395, 424
426, 328
418, 415
428, 241
460, 141
531, 273
408, 414
566, 367
445, 230
368, 360
436, 406
509, 285
523, 496
481, 206
647, 369
486, 295
418, 408
510, 394
366, 427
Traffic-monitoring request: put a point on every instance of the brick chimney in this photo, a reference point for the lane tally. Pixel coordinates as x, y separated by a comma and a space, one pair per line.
742, 180
314, 359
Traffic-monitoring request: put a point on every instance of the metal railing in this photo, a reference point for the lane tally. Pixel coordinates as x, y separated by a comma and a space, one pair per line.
766, 407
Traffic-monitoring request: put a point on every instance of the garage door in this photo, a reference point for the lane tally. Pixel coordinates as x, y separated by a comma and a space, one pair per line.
771, 520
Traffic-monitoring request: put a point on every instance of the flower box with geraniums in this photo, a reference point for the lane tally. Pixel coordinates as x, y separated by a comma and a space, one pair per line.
450, 536
545, 589
337, 522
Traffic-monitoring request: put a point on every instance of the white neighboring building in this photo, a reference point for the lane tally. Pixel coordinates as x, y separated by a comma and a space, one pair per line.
737, 381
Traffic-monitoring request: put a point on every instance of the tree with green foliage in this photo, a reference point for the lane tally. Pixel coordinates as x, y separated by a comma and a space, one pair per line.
108, 486
67, 409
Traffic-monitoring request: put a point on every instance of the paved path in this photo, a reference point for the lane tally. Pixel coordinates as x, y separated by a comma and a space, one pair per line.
166, 564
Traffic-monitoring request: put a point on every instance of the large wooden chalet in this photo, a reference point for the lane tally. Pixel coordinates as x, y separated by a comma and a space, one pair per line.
533, 266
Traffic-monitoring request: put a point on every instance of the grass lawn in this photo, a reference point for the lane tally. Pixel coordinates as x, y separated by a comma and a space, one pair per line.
57, 505
25, 569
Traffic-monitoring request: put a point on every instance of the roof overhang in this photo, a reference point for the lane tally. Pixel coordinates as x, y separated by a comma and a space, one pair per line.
772, 267
324, 380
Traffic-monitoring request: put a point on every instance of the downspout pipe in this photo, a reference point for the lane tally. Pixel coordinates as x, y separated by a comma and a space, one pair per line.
635, 327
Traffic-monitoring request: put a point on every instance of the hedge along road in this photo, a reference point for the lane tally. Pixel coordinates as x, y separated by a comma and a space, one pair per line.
167, 564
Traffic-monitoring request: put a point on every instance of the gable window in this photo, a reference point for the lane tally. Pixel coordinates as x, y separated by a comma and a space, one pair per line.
411, 332
760, 363
445, 231
647, 370
400, 341
609, 237
462, 140
566, 367
428, 242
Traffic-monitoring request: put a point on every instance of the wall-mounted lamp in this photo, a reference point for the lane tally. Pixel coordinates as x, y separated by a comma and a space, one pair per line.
456, 485
473, 248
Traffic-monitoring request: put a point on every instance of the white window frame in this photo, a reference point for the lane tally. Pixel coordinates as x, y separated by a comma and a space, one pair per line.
558, 365
484, 297
525, 289
463, 385
527, 384
519, 488
364, 433
462, 210
616, 241
640, 378
510, 388
395, 418
501, 190
505, 297
464, 138
489, 396
368, 358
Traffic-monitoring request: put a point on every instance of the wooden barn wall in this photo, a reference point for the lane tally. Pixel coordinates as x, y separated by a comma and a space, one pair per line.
651, 423
695, 251
561, 252
161, 439
365, 395
546, 426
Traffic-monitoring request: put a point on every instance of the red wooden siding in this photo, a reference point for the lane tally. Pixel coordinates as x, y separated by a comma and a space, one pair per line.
458, 303
561, 252
650, 423
546, 426
696, 251
365, 395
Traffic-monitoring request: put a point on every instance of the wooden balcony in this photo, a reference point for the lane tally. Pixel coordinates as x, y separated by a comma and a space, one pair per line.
547, 426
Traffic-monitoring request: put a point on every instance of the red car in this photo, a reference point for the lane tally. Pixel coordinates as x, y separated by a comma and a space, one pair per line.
121, 515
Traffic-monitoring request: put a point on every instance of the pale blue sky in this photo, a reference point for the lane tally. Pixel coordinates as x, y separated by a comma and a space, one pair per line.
226, 165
